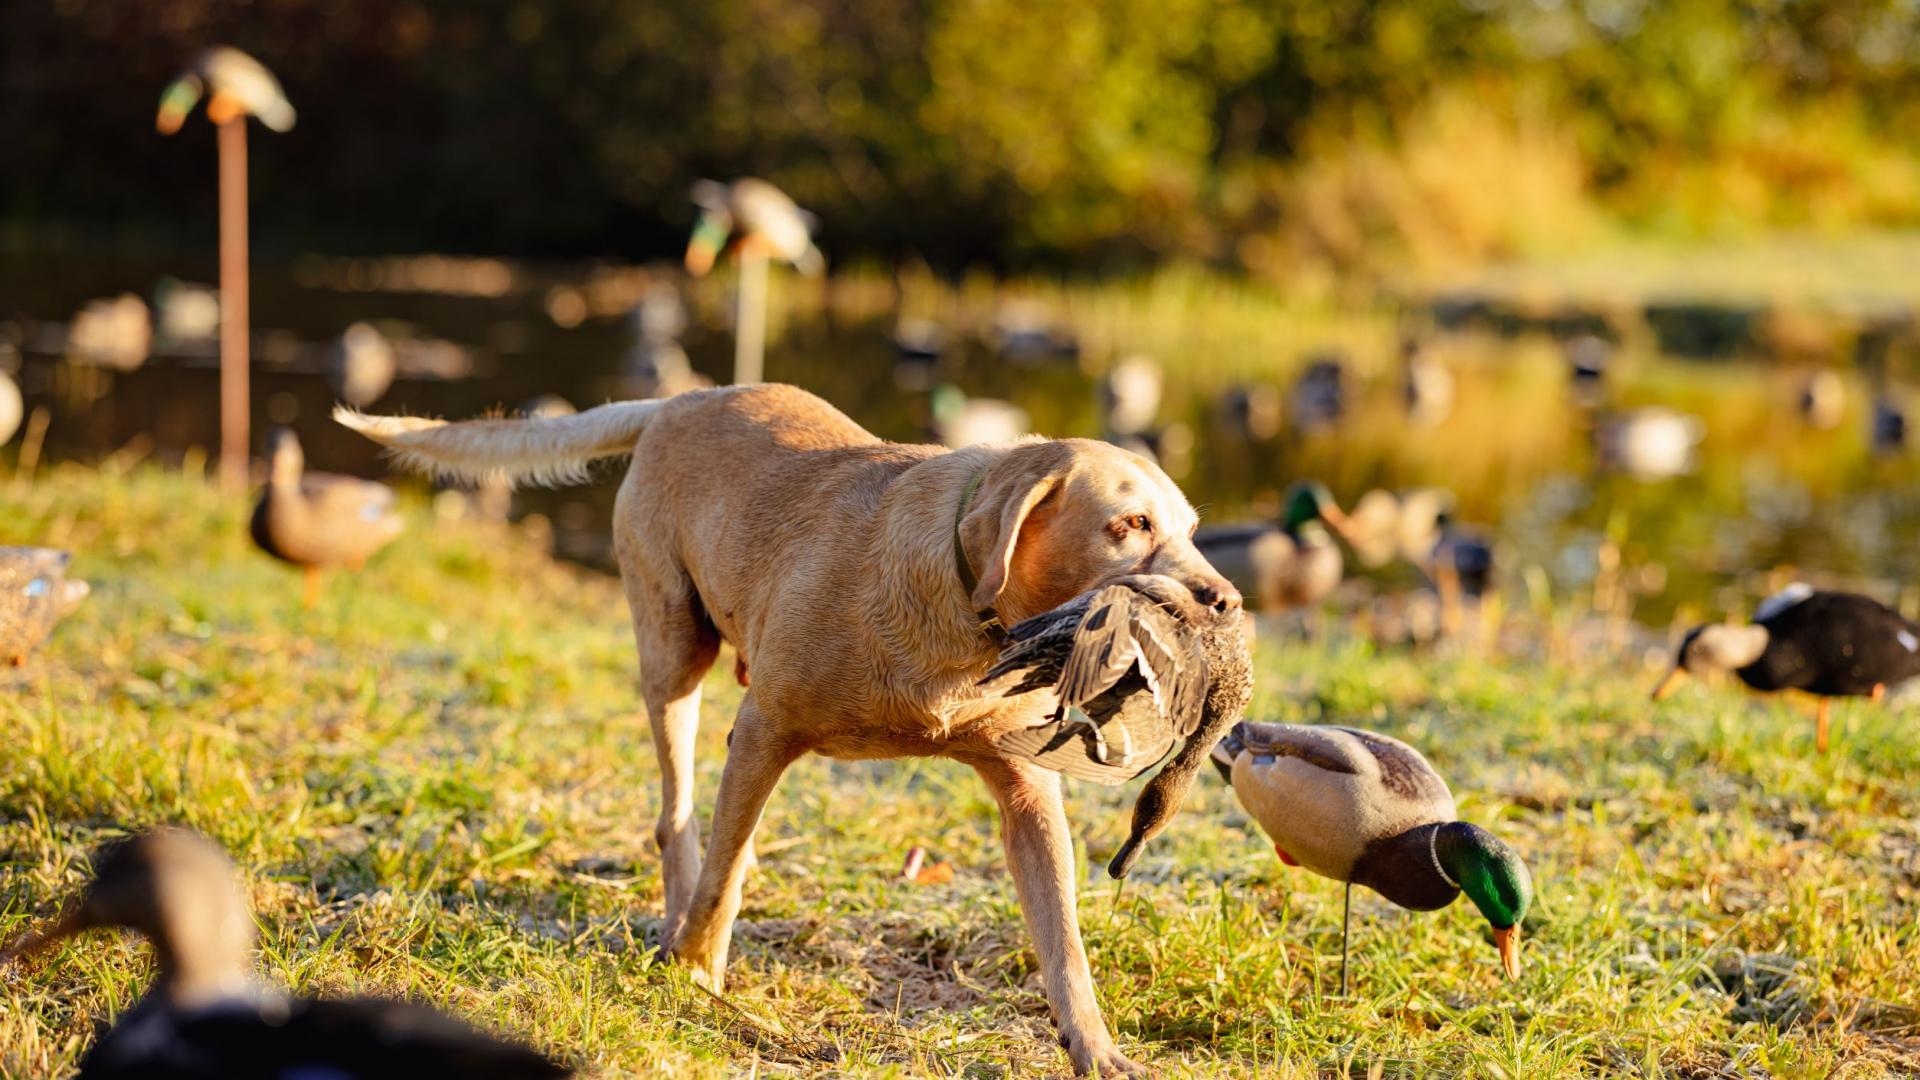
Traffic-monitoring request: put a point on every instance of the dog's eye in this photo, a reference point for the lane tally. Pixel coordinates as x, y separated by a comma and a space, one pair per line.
1140, 523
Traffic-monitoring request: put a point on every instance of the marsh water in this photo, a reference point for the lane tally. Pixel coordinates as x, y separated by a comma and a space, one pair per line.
1769, 494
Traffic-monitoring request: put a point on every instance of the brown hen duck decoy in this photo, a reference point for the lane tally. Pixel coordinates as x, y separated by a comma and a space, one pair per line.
1137, 668
34, 595
1364, 808
320, 521
1829, 644
205, 1015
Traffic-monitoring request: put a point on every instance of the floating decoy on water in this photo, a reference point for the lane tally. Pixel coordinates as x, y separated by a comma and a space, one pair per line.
1588, 357
34, 595
1023, 333
1653, 443
1250, 412
1320, 394
1366, 809
206, 1016
13, 407
116, 333
360, 365
1823, 400
185, 313
1277, 568
959, 420
1137, 667
1426, 383
1829, 644
1888, 431
1130, 396
320, 521
238, 85
754, 218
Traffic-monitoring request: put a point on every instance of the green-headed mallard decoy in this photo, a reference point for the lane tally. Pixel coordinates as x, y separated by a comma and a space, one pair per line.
236, 85
1136, 666
320, 521
1278, 568
1829, 644
34, 595
206, 1016
1366, 809
754, 218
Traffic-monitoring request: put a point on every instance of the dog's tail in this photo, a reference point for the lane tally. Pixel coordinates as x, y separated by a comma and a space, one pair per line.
544, 451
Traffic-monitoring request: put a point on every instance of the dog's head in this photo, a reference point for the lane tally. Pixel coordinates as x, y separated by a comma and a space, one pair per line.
1052, 520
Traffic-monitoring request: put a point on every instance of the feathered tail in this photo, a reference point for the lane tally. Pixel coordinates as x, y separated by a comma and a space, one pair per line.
544, 451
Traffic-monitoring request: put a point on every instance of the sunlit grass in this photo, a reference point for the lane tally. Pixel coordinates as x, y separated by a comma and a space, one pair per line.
439, 784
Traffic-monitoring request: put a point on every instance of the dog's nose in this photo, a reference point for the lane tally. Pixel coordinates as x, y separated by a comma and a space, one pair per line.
1217, 593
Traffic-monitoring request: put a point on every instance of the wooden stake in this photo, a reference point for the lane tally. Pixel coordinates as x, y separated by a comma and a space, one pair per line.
750, 321
234, 350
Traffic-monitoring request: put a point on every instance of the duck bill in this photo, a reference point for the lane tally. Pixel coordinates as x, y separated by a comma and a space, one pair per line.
34, 942
1508, 942
1669, 684
1338, 521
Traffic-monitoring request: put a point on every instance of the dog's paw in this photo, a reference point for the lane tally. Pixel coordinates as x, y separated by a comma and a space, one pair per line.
1104, 1061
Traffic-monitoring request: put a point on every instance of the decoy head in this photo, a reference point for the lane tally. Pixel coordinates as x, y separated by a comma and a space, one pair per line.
712, 229
285, 459
179, 890
1713, 647
176, 101
1494, 877
1309, 501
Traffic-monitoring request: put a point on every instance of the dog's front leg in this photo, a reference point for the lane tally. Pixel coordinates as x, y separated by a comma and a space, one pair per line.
1040, 855
757, 753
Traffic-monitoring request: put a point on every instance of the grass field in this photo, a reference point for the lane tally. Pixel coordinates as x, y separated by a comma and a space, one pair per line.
439, 785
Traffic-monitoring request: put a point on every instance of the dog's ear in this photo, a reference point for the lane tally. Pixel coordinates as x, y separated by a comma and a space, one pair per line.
990, 530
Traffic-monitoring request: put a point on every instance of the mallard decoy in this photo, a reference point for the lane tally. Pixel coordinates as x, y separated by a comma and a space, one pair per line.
1822, 400
1127, 668
959, 420
1588, 358
320, 521
1320, 394
1366, 809
754, 218
1250, 412
360, 365
1653, 443
1277, 568
1887, 433
34, 595
115, 332
13, 407
206, 1016
239, 86
1137, 667
1130, 397
1383, 526
1829, 644
1426, 383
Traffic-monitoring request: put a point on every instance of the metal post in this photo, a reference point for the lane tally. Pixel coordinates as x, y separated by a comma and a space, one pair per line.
234, 350
750, 322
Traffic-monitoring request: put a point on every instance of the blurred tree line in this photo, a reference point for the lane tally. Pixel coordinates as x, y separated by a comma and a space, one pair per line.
1277, 136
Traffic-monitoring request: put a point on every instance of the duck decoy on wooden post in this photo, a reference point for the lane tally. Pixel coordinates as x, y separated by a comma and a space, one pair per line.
1366, 809
34, 595
1280, 567
757, 222
237, 86
319, 521
205, 1016
1829, 644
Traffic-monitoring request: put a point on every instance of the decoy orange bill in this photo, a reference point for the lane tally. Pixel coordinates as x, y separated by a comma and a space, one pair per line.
1508, 942
1669, 684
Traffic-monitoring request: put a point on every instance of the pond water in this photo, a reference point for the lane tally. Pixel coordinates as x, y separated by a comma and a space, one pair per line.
1768, 491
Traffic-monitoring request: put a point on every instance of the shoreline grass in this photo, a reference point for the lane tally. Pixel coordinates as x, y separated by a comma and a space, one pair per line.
439, 784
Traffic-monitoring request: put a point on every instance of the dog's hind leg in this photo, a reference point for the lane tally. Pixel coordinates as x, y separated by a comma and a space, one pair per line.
757, 755
1040, 856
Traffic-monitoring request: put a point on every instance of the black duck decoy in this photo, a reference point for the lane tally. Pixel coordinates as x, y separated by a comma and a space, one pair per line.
1366, 809
206, 1017
1829, 644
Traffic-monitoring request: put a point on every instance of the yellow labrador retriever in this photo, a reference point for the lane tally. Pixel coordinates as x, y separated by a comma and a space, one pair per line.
862, 584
